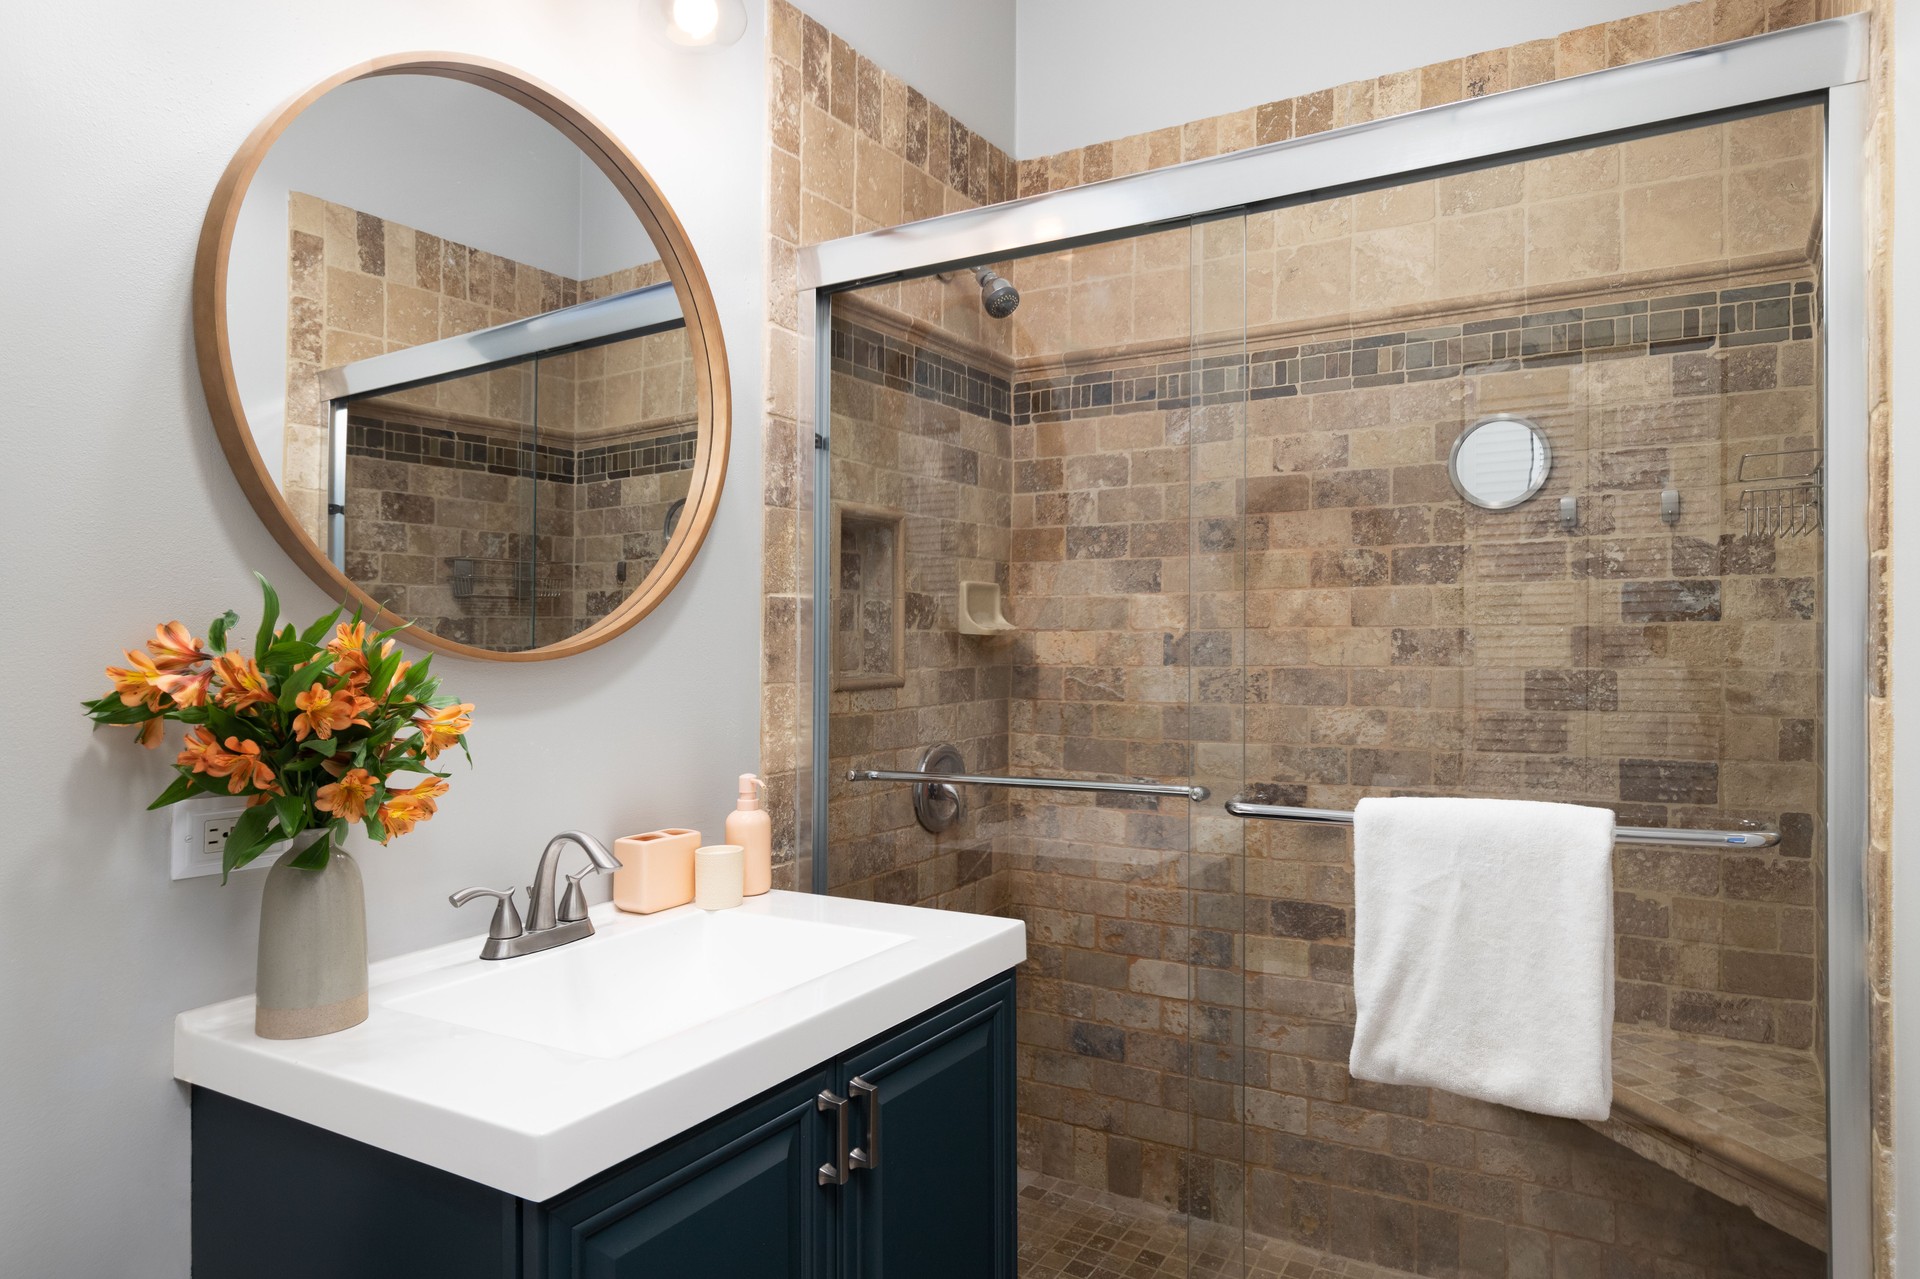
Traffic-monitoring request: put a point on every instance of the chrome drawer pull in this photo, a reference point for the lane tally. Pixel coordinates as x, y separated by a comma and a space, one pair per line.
836, 1172
868, 1156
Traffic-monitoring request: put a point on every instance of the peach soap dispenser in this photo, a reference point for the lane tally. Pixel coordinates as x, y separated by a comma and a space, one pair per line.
749, 826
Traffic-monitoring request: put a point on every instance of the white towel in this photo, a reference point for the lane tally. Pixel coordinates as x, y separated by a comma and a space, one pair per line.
1483, 950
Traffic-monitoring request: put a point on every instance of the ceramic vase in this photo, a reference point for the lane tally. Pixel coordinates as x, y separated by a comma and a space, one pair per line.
312, 977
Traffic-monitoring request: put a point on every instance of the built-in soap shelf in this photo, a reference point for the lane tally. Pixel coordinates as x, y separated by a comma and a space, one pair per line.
979, 611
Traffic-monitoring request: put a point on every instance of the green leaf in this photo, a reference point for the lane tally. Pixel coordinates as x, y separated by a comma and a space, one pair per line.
376, 829
217, 630
109, 710
292, 812
416, 682
299, 682
313, 856
382, 672
247, 840
183, 786
269, 615
313, 634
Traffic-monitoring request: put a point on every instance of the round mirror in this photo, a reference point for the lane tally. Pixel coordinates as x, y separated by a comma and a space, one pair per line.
1500, 462
462, 358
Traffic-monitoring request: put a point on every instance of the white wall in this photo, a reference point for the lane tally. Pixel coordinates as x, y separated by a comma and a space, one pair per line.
1092, 70
434, 154
117, 511
960, 53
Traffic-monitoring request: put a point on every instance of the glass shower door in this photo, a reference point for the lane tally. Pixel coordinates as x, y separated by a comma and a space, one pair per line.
1033, 566
1532, 512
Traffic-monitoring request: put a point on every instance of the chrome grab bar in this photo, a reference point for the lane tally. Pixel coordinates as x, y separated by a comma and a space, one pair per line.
938, 804
1195, 793
1621, 834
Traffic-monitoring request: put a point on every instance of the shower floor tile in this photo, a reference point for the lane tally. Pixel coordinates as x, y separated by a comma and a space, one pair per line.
1068, 1230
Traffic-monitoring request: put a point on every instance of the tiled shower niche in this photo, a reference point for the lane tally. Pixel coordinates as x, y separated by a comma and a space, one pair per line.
1218, 506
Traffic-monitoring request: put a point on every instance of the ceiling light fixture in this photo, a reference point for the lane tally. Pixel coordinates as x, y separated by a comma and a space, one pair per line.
704, 24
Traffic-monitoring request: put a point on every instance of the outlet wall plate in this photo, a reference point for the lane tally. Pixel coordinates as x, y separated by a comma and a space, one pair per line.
199, 831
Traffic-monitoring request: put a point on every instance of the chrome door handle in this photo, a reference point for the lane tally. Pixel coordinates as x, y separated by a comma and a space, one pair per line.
836, 1172
867, 1156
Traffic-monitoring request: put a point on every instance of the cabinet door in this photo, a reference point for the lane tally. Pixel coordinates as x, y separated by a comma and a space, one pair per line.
739, 1199
934, 1116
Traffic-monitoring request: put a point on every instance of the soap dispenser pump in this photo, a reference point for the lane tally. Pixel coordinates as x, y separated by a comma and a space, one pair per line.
749, 826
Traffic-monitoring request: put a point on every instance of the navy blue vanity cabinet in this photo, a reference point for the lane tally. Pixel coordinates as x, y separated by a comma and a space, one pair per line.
893, 1161
933, 1191
736, 1197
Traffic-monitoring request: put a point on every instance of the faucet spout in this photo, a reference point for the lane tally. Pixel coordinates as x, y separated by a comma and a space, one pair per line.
541, 910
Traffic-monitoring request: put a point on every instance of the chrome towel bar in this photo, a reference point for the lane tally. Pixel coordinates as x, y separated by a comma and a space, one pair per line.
1621, 834
938, 804
1195, 793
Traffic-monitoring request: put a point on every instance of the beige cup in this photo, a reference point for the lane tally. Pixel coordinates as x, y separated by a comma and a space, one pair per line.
719, 876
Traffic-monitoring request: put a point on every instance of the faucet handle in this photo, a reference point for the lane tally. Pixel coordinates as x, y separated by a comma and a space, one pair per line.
506, 916
573, 906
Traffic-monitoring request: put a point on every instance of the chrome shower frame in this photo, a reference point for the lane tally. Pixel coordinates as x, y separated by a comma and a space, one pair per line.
1823, 62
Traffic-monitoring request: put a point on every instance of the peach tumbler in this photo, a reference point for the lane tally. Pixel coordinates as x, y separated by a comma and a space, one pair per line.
656, 870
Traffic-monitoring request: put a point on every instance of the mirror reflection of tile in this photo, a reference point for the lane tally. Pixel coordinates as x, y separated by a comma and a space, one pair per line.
447, 482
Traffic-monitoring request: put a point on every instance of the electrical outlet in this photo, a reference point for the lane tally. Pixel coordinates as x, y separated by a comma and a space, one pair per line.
200, 830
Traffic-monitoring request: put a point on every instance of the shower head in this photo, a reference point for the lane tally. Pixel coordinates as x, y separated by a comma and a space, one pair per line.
998, 296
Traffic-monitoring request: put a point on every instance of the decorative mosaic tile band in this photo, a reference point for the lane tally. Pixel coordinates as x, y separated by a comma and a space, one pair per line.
895, 362
1776, 312
474, 451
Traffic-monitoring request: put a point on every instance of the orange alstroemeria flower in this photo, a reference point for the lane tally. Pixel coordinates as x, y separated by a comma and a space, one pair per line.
325, 711
138, 683
239, 763
244, 767
348, 638
151, 732
355, 666
186, 687
347, 797
201, 752
174, 648
443, 728
241, 683
408, 808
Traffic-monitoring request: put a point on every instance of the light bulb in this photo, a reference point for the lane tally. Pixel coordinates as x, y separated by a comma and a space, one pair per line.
697, 20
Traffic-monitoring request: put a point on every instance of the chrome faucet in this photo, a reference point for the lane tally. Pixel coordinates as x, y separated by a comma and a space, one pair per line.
547, 925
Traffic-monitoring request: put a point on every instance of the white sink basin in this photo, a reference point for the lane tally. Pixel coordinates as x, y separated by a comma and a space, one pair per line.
532, 1074
639, 987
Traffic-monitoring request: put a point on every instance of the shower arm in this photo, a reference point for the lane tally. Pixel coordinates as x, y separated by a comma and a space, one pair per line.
1621, 834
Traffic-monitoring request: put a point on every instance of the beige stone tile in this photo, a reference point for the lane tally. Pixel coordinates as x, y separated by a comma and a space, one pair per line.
827, 158
1394, 266
1673, 223
1532, 63
1484, 253
355, 303
879, 180
1396, 205
1580, 51
1313, 280
1772, 207
1681, 153
1778, 135
1572, 173
1573, 239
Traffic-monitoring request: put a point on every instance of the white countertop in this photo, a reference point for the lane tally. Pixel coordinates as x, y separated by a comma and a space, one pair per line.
532, 1118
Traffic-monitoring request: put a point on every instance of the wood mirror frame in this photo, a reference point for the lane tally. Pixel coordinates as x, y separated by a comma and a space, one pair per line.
215, 357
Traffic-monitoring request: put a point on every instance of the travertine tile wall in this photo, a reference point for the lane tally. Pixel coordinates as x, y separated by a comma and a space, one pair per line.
853, 148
